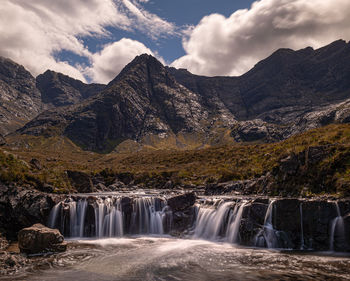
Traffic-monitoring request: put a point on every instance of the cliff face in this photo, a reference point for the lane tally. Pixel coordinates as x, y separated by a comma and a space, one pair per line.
144, 99
20, 100
59, 90
283, 86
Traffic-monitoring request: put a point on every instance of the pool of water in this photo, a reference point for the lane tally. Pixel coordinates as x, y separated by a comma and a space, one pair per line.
167, 258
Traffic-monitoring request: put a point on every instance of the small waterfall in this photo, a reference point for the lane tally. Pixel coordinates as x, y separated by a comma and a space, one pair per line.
105, 217
337, 235
53, 215
234, 223
147, 216
302, 245
267, 235
219, 224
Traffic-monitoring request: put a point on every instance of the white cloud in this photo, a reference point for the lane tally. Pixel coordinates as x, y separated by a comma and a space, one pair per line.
112, 59
31, 32
147, 22
231, 46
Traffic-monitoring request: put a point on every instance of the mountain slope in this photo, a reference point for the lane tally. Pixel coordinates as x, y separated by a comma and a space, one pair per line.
283, 95
20, 101
282, 87
58, 89
142, 100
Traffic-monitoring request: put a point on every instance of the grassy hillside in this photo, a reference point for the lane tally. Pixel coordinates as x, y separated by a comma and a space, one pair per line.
154, 167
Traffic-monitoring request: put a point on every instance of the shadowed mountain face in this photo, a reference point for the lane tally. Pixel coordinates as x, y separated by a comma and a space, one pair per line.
20, 100
287, 93
22, 97
59, 90
281, 87
142, 100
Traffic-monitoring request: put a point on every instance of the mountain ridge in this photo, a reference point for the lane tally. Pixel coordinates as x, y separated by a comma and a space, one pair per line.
285, 94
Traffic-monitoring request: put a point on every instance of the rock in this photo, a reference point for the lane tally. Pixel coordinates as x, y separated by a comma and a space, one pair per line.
101, 187
116, 185
21, 207
2, 140
182, 202
80, 181
168, 185
3, 242
40, 239
20, 100
35, 163
58, 89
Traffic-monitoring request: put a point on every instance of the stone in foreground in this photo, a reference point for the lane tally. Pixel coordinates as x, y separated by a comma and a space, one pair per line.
40, 239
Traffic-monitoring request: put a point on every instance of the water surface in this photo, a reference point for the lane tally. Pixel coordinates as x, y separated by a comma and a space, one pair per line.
167, 258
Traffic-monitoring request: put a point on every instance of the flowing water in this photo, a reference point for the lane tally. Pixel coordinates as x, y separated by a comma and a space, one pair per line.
165, 258
112, 238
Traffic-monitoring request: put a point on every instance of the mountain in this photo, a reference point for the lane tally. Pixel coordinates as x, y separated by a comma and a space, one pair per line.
281, 87
23, 97
58, 89
20, 100
144, 99
285, 94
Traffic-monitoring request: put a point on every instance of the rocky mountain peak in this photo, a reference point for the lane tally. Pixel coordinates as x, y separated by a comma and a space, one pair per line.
58, 89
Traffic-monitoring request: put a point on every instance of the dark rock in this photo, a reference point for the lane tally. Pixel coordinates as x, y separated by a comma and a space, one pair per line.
35, 163
40, 239
80, 181
22, 207
182, 202
2, 140
101, 187
3, 242
58, 89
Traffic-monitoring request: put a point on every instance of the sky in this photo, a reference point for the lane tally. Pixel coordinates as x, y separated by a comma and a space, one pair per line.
92, 40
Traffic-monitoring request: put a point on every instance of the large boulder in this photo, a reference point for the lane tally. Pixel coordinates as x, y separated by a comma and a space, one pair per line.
183, 211
182, 202
40, 239
21, 207
80, 181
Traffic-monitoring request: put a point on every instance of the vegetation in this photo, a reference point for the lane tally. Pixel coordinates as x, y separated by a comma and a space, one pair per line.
153, 167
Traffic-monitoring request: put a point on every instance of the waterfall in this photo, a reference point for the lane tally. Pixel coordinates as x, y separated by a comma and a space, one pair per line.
221, 223
337, 235
105, 217
267, 235
234, 223
302, 245
53, 215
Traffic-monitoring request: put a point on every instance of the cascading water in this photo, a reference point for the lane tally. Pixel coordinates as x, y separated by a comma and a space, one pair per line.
105, 217
221, 223
267, 235
302, 242
337, 235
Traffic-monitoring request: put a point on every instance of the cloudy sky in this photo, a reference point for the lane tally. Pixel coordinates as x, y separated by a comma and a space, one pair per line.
93, 40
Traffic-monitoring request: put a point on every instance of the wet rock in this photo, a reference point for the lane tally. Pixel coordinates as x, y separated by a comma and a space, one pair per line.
117, 185
40, 239
21, 207
182, 202
101, 187
253, 217
168, 185
35, 163
80, 181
